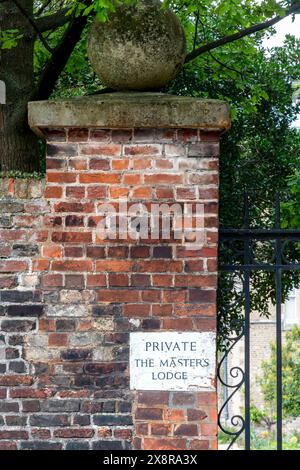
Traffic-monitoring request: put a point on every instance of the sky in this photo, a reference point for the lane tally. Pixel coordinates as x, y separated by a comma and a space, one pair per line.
286, 26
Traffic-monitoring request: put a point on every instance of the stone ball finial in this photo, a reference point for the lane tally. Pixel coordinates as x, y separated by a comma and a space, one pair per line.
141, 47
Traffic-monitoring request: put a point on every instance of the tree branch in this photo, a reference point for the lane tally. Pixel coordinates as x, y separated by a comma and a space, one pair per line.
240, 34
196, 30
47, 22
43, 7
225, 65
60, 57
33, 25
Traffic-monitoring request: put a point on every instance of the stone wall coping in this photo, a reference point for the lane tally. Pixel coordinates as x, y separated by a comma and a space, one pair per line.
130, 110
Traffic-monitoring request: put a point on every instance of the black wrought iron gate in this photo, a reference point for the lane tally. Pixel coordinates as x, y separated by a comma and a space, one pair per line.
239, 246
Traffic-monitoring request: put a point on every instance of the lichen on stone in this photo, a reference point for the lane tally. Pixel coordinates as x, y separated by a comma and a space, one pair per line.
141, 47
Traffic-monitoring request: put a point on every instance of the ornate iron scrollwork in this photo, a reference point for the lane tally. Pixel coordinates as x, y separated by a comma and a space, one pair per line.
235, 372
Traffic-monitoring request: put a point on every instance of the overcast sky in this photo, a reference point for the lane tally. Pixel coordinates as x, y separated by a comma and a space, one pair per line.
286, 26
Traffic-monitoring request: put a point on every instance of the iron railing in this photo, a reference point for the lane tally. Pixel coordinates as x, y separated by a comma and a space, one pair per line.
243, 262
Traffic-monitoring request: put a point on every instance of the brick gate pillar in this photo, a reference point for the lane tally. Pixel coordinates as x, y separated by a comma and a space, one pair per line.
103, 292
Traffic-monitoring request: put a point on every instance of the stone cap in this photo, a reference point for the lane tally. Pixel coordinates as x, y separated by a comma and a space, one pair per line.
130, 110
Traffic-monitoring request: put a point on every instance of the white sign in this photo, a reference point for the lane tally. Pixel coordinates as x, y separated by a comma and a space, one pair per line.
172, 361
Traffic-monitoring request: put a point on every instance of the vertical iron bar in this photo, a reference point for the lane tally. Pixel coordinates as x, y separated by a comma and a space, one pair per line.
226, 414
247, 326
278, 328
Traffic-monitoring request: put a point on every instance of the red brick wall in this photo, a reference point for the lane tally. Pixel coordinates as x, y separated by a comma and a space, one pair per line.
75, 297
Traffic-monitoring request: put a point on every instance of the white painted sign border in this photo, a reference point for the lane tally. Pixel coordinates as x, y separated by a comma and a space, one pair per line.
173, 361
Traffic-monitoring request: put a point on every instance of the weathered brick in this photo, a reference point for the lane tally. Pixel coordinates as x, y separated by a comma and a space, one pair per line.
25, 250
97, 191
73, 251
40, 433
82, 420
11, 207
209, 429
17, 367
203, 149
78, 445
61, 177
101, 178
10, 266
73, 281
61, 148
76, 354
9, 407
196, 415
57, 339
8, 445
99, 164
199, 444
30, 393
201, 295
150, 324
78, 135
153, 398
8, 282
144, 150
49, 420
162, 252
53, 192
160, 429
19, 296
186, 430
123, 433
96, 280
108, 445
25, 310
183, 399
41, 445
70, 433
12, 353
148, 414
52, 280
30, 406
65, 325
112, 420
137, 310
18, 325
161, 178
140, 280
164, 444
74, 207
114, 309
55, 163
74, 221
101, 149
83, 265
72, 237
104, 368
16, 421
14, 434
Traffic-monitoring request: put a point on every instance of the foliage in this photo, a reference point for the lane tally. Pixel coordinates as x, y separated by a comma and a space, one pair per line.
290, 375
262, 440
266, 418
290, 208
266, 440
256, 415
9, 38
258, 155
22, 175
